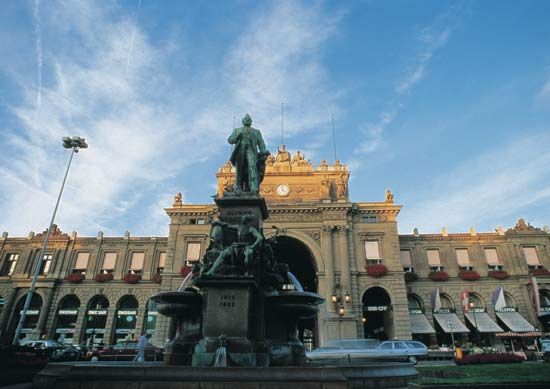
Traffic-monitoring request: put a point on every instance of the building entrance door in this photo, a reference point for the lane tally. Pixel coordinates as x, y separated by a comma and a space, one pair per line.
301, 263
377, 314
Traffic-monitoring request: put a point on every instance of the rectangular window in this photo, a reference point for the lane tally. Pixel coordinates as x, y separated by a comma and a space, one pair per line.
193, 252
81, 263
531, 256
491, 257
463, 259
372, 250
136, 265
369, 219
46, 264
109, 261
406, 261
9, 264
162, 262
434, 261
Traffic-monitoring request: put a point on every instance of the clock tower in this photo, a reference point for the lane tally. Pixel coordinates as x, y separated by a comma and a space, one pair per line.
293, 179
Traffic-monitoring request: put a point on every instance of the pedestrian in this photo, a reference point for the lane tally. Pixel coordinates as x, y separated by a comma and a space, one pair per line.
142, 344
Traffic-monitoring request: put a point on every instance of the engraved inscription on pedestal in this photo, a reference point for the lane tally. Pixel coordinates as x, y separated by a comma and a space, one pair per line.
227, 312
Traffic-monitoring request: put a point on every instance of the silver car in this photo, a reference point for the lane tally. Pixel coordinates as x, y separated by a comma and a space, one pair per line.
367, 350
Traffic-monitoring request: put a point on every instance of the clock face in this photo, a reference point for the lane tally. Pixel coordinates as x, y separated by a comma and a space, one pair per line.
283, 190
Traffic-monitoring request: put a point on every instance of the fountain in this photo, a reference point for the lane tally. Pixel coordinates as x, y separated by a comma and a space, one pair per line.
236, 314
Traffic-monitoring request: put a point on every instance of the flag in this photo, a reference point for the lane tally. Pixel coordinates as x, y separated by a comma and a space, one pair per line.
464, 300
498, 299
436, 300
536, 297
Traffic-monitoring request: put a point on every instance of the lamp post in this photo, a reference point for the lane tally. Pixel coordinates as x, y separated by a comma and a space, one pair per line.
451, 326
74, 143
472, 305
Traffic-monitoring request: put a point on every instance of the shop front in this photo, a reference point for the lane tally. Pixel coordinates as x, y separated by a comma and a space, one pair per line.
67, 314
95, 322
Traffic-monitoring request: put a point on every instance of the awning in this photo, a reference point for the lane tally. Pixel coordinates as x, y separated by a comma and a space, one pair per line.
515, 322
450, 322
420, 324
483, 322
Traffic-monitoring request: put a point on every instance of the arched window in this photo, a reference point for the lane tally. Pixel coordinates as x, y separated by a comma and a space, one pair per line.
544, 295
126, 318
446, 301
67, 314
31, 319
475, 301
96, 319
415, 303
510, 301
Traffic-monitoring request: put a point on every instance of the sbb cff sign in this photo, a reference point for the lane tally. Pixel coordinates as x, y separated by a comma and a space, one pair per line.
376, 308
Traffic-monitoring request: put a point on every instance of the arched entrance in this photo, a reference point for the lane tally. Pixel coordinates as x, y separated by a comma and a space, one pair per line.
377, 314
301, 263
29, 329
67, 314
126, 318
544, 317
150, 318
96, 319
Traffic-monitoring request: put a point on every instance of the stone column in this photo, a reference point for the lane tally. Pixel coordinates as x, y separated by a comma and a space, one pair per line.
345, 276
328, 259
79, 326
109, 326
45, 311
140, 321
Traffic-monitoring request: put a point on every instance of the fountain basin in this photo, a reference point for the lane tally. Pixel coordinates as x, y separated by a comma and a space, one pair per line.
301, 305
178, 303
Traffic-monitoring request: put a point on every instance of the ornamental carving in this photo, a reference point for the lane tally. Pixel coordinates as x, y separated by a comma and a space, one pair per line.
523, 227
314, 234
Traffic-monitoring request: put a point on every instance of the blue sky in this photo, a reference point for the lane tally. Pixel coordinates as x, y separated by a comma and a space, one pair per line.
446, 103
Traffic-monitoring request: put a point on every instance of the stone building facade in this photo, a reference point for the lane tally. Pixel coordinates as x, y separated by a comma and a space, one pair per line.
376, 283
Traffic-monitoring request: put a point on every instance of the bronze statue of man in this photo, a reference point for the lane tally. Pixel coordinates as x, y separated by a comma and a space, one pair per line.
248, 156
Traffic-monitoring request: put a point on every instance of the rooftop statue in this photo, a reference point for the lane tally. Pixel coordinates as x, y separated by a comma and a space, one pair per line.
248, 156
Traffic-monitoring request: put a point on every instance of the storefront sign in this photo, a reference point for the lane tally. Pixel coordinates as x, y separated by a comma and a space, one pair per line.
376, 308
68, 312
127, 312
476, 310
97, 312
507, 309
2, 301
415, 311
152, 313
31, 312
64, 331
545, 308
95, 330
445, 310
123, 331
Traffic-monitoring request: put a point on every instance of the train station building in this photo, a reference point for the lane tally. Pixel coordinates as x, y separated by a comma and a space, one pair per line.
490, 288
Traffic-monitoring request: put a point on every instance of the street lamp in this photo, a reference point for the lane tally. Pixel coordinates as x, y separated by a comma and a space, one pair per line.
74, 143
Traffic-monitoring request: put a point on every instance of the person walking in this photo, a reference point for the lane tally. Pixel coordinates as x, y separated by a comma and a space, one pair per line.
142, 344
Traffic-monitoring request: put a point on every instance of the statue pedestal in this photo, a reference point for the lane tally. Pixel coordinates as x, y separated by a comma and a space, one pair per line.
231, 310
232, 208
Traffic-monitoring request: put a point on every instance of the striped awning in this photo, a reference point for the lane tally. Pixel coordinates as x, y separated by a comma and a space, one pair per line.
515, 322
420, 324
483, 322
450, 322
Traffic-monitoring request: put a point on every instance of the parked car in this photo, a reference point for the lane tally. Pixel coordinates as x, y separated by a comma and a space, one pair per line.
365, 350
124, 350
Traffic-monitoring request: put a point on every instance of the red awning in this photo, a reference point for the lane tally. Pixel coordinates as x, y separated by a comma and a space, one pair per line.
510, 334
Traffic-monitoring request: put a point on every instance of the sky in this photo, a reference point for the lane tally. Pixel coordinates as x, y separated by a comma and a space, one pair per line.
445, 102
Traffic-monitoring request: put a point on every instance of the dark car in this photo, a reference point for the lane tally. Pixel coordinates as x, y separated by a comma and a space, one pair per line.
124, 350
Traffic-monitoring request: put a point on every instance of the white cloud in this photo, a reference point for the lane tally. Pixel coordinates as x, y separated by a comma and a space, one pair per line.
113, 86
498, 184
